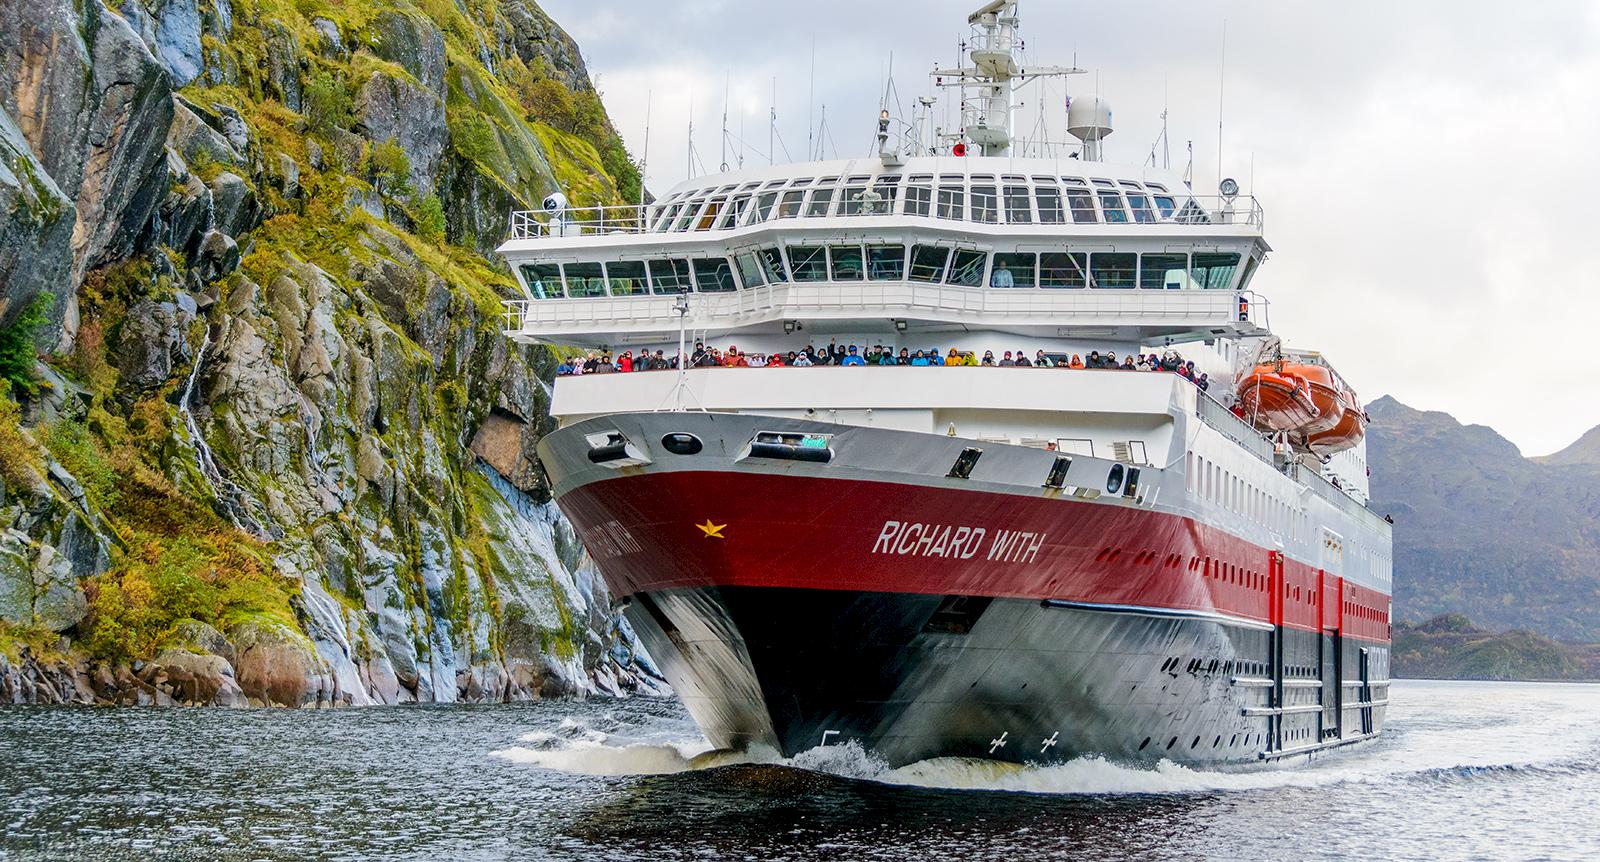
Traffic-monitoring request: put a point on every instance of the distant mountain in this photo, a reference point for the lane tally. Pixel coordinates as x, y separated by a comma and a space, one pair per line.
1586, 451
1482, 531
1451, 647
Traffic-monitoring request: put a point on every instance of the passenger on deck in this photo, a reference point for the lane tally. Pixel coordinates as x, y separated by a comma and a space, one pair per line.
1042, 361
625, 361
934, 357
1007, 362
604, 366
801, 360
904, 358
988, 358
1075, 362
1204, 382
1094, 360
1022, 360
919, 360
852, 357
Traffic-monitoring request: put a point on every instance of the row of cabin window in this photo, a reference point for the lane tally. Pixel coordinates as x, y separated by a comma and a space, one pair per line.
1210, 481
927, 264
1013, 201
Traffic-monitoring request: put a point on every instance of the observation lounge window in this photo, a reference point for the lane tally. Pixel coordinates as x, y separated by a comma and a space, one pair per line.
1111, 205
1113, 270
664, 219
544, 280
772, 266
928, 263
983, 204
1049, 200
1164, 272
789, 207
709, 217
1082, 205
733, 213
886, 262
669, 276
764, 205
713, 275
1018, 208
967, 268
1214, 271
749, 269
951, 202
585, 280
1013, 269
851, 202
919, 196
1165, 206
847, 262
809, 262
626, 278
821, 200
1063, 269
1141, 208
686, 217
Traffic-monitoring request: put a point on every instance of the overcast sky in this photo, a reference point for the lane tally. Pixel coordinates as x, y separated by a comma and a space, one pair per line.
1428, 169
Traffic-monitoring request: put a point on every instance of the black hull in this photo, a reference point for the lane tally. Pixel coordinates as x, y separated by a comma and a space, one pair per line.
912, 677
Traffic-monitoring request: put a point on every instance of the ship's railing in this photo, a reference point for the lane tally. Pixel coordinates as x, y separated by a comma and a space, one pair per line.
868, 298
1325, 489
1239, 431
1193, 210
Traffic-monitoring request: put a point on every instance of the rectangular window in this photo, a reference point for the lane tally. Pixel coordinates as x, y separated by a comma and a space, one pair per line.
772, 266
886, 262
1141, 208
850, 203
584, 279
749, 269
1113, 270
1082, 207
1018, 208
1214, 271
733, 213
669, 276
664, 220
1165, 207
967, 268
765, 202
1013, 269
713, 275
1111, 205
790, 207
918, 199
983, 204
809, 262
846, 261
1049, 200
544, 280
927, 263
950, 202
626, 277
1060, 269
821, 199
1164, 272
686, 218
709, 217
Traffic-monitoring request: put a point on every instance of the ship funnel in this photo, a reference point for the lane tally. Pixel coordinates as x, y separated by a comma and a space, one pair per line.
1089, 120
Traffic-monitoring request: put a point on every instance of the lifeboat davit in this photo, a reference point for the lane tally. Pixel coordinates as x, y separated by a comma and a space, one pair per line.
1326, 395
1276, 400
1352, 426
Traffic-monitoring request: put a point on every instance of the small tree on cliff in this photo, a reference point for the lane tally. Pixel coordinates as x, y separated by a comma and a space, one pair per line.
327, 102
551, 104
390, 168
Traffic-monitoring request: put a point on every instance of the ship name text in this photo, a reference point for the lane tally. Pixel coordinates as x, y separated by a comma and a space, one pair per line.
955, 542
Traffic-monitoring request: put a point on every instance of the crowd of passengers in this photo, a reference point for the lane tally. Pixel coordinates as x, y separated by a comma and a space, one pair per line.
705, 356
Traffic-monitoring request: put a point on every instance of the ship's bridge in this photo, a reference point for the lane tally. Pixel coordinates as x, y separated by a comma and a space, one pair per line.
1057, 248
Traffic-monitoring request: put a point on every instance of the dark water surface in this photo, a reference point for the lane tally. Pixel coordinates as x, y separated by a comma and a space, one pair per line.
1464, 771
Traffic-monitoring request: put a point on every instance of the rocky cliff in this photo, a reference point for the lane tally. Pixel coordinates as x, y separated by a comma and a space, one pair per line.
276, 450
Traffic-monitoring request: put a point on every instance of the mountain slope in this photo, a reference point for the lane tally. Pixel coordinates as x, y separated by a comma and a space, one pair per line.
1583, 451
280, 452
1482, 531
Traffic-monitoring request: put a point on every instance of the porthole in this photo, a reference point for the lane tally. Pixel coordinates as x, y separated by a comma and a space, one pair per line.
1171, 742
1114, 479
680, 443
1145, 743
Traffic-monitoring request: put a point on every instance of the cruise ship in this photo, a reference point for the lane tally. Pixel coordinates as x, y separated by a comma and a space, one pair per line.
959, 556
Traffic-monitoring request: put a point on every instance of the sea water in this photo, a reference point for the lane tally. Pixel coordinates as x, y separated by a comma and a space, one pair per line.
1463, 771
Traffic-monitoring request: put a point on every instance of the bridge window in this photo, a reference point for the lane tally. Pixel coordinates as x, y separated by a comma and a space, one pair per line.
967, 268
1111, 205
983, 204
821, 199
765, 203
1063, 269
919, 195
544, 280
1049, 200
1081, 203
664, 218
626, 277
1164, 271
669, 276
733, 213
928, 262
772, 266
713, 275
950, 202
809, 262
749, 269
1113, 269
1165, 207
1214, 271
585, 280
686, 217
886, 262
851, 203
790, 206
709, 217
1141, 208
1013, 270
1018, 208
846, 262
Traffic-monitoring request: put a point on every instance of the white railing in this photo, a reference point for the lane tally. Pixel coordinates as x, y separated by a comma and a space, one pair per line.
634, 219
873, 299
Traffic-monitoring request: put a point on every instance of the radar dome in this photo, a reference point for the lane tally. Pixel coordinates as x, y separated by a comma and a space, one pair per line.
1089, 118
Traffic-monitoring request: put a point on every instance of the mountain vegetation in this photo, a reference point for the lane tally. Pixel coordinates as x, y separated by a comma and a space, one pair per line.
1451, 647
263, 441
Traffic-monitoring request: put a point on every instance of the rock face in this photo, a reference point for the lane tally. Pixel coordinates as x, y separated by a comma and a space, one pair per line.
284, 456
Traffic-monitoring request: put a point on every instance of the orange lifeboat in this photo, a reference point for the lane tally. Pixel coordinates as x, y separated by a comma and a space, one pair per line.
1352, 426
1276, 400
1325, 394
